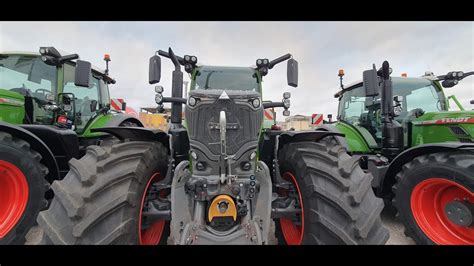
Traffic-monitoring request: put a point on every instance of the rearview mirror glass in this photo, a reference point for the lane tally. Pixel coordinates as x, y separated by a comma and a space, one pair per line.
371, 84
83, 73
154, 73
292, 72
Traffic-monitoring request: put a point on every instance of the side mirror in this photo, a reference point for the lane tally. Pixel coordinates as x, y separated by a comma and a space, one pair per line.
154, 73
292, 72
371, 83
83, 73
124, 106
93, 105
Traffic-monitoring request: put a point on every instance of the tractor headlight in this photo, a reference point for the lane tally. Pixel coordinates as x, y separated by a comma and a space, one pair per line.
460, 74
265, 61
286, 103
194, 59
259, 62
187, 58
159, 98
192, 101
42, 51
194, 155
256, 102
286, 95
159, 89
253, 155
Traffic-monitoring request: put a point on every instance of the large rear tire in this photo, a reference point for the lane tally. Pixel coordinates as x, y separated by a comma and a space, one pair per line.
425, 187
22, 188
100, 200
335, 195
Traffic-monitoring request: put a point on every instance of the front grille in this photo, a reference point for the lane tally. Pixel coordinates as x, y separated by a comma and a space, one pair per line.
243, 122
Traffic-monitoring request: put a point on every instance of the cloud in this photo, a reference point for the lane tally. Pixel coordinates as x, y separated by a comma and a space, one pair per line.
321, 48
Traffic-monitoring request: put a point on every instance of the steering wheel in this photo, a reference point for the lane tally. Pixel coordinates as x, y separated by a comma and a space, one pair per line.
45, 91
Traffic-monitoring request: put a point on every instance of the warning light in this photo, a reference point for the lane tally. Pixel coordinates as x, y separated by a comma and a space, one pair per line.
341, 72
106, 57
404, 75
62, 120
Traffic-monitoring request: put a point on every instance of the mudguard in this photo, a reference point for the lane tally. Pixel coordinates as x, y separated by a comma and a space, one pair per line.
310, 135
339, 138
396, 165
136, 134
118, 119
36, 144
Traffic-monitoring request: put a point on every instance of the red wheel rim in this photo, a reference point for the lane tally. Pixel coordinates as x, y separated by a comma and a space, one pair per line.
151, 235
13, 196
428, 200
292, 232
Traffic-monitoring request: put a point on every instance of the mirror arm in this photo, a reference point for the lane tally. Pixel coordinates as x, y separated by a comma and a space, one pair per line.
167, 55
272, 105
174, 100
70, 57
278, 60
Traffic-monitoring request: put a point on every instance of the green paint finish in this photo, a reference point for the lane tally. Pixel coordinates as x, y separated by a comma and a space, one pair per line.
11, 107
435, 127
354, 139
98, 122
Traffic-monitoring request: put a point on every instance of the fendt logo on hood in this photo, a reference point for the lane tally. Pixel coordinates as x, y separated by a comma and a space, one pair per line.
458, 120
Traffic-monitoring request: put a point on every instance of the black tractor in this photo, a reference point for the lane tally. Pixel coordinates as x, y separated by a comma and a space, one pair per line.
220, 179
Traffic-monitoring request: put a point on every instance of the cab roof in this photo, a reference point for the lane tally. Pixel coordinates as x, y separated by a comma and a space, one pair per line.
93, 67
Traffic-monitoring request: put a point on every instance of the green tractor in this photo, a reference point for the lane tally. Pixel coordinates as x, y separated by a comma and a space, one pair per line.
420, 154
49, 106
219, 180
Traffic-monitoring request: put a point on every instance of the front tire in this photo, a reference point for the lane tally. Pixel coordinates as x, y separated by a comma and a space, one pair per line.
423, 189
100, 200
337, 201
22, 188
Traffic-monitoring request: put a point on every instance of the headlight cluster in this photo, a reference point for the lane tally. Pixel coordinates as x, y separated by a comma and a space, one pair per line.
256, 103
192, 101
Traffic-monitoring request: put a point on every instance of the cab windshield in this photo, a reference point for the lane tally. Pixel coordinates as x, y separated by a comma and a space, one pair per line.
30, 77
226, 78
27, 75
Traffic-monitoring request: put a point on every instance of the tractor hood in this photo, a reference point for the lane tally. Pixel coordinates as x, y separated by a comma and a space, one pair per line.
444, 126
11, 107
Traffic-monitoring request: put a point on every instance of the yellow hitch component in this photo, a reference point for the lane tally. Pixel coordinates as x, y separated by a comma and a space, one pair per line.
222, 206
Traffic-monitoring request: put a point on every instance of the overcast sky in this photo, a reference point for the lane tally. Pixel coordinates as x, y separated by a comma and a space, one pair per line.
321, 48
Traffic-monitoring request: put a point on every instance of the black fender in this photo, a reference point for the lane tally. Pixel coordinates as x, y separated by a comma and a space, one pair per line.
36, 144
407, 155
310, 135
136, 134
271, 141
119, 118
340, 139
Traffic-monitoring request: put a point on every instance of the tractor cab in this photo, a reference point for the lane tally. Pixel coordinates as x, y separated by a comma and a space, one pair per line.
417, 105
412, 98
45, 87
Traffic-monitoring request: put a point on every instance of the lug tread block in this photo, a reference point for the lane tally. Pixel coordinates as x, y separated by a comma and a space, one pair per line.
456, 166
322, 221
72, 202
111, 200
341, 206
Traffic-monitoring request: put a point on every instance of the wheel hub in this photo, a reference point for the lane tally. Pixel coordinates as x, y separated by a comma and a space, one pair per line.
460, 212
13, 196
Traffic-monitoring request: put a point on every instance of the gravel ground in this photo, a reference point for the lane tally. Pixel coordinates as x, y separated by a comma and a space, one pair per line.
389, 219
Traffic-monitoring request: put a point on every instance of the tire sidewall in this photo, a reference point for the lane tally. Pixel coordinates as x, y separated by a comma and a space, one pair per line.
35, 180
414, 177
